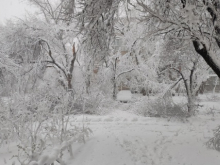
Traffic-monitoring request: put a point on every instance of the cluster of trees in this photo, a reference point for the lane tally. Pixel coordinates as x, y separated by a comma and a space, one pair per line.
68, 33
46, 48
70, 47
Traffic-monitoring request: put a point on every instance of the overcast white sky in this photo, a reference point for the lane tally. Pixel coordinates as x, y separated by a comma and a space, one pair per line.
12, 8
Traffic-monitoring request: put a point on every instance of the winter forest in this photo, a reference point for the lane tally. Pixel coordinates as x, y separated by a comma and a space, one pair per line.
111, 82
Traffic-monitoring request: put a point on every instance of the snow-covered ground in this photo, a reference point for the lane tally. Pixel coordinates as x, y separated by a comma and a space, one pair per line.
124, 138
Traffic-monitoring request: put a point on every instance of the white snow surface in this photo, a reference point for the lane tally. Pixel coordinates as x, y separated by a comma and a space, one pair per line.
124, 138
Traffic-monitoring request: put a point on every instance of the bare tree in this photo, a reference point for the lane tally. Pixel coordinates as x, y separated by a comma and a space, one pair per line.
37, 45
61, 11
190, 69
55, 38
194, 20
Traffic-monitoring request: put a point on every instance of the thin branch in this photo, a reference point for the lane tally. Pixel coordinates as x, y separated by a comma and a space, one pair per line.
53, 61
124, 72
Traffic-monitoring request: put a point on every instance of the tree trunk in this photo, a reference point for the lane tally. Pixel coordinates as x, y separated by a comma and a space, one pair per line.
69, 82
114, 89
207, 57
216, 83
190, 98
191, 104
115, 79
88, 83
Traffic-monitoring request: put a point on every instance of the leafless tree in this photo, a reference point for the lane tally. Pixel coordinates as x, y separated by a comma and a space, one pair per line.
194, 20
190, 69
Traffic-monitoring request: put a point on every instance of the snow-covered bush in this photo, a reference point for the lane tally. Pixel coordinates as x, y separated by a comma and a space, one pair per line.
5, 129
40, 121
97, 103
213, 97
214, 142
92, 103
160, 107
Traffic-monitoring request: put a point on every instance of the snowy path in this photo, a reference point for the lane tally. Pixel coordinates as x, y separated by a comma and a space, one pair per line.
123, 138
126, 139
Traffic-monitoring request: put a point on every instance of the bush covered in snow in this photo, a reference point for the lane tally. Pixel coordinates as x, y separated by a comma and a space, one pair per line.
213, 97
159, 107
40, 121
214, 142
90, 104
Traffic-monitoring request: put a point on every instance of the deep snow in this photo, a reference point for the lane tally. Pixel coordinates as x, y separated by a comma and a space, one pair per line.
124, 138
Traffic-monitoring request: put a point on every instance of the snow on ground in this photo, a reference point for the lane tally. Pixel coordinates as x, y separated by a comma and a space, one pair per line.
124, 138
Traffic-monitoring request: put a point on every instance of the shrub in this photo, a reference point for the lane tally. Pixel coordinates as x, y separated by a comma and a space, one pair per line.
213, 97
94, 104
41, 121
160, 107
214, 142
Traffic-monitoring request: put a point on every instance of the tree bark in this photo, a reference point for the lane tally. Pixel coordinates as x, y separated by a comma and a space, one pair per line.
114, 88
206, 56
190, 104
69, 81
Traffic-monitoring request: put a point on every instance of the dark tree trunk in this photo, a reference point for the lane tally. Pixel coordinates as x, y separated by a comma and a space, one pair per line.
115, 79
114, 88
191, 104
69, 81
206, 56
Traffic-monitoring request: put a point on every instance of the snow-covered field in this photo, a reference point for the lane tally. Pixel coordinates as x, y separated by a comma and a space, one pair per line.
124, 138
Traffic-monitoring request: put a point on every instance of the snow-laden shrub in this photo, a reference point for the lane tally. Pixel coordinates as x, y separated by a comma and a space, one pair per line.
107, 105
6, 131
40, 121
214, 142
92, 103
213, 97
160, 107
87, 105
97, 103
